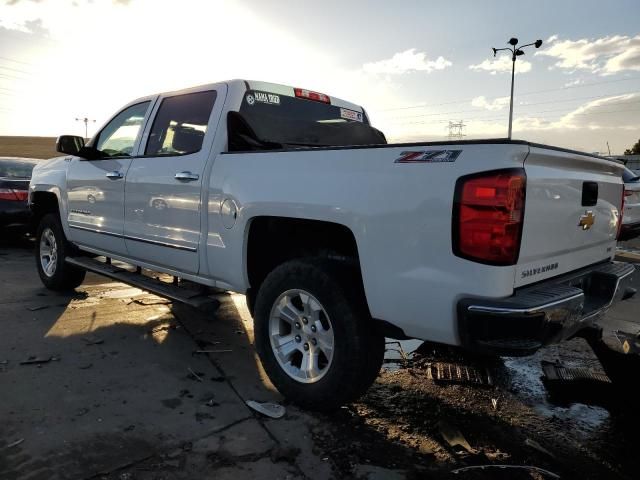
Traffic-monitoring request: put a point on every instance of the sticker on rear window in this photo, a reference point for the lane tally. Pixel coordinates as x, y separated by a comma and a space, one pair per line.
263, 97
351, 114
429, 156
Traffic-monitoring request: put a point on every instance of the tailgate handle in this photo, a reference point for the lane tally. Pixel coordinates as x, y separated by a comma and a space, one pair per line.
589, 194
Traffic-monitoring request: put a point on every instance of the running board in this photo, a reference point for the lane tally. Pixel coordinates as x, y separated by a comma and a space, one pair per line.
191, 297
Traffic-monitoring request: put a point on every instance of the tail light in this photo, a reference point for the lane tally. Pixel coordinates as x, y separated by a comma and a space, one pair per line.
309, 95
13, 195
488, 216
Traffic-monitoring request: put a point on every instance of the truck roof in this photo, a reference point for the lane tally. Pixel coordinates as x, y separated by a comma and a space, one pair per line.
255, 85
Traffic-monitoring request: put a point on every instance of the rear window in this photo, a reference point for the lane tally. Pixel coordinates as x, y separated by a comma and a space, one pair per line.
629, 176
15, 169
280, 121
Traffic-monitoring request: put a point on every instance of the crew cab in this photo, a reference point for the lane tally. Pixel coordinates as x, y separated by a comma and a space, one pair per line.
337, 238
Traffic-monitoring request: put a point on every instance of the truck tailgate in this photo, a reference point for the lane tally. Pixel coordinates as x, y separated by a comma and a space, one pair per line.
571, 213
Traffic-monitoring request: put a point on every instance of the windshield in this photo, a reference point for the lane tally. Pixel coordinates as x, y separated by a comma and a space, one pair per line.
15, 168
278, 121
629, 176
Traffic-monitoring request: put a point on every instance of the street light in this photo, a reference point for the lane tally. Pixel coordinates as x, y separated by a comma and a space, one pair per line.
515, 53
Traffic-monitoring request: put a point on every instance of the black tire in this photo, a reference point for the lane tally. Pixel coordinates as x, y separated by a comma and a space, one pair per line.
63, 276
358, 350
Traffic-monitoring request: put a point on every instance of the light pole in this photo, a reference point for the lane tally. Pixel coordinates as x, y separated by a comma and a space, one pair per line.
86, 121
515, 53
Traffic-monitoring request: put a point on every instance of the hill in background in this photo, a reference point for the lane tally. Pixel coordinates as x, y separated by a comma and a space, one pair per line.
31, 147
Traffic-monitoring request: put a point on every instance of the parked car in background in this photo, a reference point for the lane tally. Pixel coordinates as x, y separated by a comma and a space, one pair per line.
15, 174
631, 213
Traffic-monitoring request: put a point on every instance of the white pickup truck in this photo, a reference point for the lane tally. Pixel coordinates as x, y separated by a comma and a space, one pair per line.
337, 238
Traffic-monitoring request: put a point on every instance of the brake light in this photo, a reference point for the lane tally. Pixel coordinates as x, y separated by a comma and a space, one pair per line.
488, 216
13, 195
314, 96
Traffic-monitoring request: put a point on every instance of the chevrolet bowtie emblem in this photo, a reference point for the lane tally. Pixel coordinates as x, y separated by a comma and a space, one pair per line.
587, 220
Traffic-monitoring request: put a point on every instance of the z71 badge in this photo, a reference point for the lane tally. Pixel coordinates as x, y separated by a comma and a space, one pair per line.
429, 156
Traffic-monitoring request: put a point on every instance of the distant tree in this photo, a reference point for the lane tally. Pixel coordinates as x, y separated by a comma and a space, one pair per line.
635, 150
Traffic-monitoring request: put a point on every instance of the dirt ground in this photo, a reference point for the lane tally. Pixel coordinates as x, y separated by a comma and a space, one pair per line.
30, 147
122, 394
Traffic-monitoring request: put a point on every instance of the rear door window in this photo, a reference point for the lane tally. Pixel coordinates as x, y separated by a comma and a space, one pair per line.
180, 124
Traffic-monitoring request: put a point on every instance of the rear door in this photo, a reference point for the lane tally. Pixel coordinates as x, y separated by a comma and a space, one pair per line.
95, 188
163, 192
571, 213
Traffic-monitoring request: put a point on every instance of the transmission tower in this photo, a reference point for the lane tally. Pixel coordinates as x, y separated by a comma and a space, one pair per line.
455, 130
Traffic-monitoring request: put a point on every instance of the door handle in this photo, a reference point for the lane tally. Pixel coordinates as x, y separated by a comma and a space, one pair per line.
187, 176
114, 175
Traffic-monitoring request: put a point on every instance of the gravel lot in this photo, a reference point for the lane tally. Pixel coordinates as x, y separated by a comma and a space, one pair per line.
121, 394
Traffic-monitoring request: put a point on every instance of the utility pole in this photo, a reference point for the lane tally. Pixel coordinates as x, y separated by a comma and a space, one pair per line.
608, 148
86, 121
455, 130
515, 53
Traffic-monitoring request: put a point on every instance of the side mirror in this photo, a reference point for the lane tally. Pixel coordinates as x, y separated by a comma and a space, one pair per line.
69, 144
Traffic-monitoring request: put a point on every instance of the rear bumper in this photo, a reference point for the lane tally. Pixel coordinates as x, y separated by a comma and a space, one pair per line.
548, 312
629, 231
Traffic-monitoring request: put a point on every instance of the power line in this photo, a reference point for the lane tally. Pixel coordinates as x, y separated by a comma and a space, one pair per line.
502, 117
526, 105
439, 114
519, 94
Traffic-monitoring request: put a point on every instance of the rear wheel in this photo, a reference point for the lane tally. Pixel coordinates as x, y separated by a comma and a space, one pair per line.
314, 335
52, 248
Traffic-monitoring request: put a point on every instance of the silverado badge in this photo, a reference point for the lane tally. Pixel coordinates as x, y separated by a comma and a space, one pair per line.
587, 220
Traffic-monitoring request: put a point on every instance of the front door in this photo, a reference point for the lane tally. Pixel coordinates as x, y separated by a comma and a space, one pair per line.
163, 191
95, 188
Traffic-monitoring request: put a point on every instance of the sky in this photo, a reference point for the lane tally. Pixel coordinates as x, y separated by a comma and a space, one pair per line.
415, 65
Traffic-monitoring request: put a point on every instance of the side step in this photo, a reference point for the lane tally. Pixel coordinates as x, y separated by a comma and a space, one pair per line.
195, 298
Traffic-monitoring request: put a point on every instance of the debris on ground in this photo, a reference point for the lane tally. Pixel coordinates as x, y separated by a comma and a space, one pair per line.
268, 409
15, 444
454, 437
445, 372
3, 365
34, 360
494, 403
283, 453
38, 307
219, 378
92, 340
535, 445
541, 471
195, 376
556, 371
85, 366
163, 328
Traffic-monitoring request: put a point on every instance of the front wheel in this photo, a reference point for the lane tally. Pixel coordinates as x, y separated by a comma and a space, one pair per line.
314, 335
51, 250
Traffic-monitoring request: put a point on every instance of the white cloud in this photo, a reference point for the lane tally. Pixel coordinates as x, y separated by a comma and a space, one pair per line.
405, 62
606, 55
572, 83
502, 65
496, 104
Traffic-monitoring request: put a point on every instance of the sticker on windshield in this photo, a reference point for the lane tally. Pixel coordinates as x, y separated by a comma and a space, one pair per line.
263, 97
351, 114
429, 156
